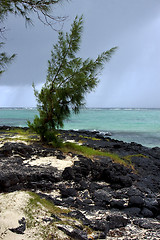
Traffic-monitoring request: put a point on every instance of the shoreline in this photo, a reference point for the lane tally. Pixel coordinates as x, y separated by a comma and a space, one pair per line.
101, 134
107, 199
128, 126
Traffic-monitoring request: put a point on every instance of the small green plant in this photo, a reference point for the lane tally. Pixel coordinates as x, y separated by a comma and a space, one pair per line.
19, 134
128, 159
36, 200
91, 138
37, 207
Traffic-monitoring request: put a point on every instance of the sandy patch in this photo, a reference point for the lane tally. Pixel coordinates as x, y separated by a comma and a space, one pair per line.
11, 210
52, 161
13, 141
73, 141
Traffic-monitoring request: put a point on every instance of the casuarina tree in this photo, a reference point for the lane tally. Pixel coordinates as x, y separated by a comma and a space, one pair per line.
69, 79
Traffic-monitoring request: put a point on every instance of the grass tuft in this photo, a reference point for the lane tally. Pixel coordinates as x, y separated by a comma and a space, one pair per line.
19, 134
90, 152
39, 208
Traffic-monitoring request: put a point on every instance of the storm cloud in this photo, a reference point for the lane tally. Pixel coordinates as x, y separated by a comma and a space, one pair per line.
130, 79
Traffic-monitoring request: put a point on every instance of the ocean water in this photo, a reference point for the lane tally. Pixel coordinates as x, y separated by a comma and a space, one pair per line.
129, 125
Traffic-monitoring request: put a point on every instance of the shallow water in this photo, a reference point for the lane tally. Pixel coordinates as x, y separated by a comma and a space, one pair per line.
130, 125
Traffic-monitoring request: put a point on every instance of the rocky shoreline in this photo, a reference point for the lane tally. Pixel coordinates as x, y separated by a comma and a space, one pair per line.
115, 201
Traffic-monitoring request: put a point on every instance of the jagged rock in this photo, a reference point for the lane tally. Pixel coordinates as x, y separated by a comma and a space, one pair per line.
88, 201
54, 218
77, 214
132, 211
8, 180
84, 195
20, 229
152, 204
101, 197
70, 201
147, 224
68, 173
21, 149
120, 204
100, 225
68, 192
73, 232
147, 213
158, 217
80, 204
85, 166
93, 186
116, 221
121, 193
134, 192
158, 200
117, 175
136, 201
83, 184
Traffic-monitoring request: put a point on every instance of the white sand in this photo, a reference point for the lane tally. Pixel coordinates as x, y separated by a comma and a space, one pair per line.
52, 161
12, 206
11, 210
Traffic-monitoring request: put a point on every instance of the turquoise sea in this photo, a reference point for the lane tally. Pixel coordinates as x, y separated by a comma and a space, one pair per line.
129, 125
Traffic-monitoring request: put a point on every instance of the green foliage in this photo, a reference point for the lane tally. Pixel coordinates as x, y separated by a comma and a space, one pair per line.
35, 200
91, 138
129, 157
25, 8
5, 59
90, 152
69, 79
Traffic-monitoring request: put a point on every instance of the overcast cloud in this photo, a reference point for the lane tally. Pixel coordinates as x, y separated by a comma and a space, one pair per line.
130, 79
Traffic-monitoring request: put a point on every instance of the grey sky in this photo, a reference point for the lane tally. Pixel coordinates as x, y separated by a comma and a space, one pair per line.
130, 79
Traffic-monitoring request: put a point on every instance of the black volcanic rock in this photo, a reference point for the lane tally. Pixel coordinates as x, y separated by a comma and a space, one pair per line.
136, 201
109, 193
147, 213
117, 221
21, 228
